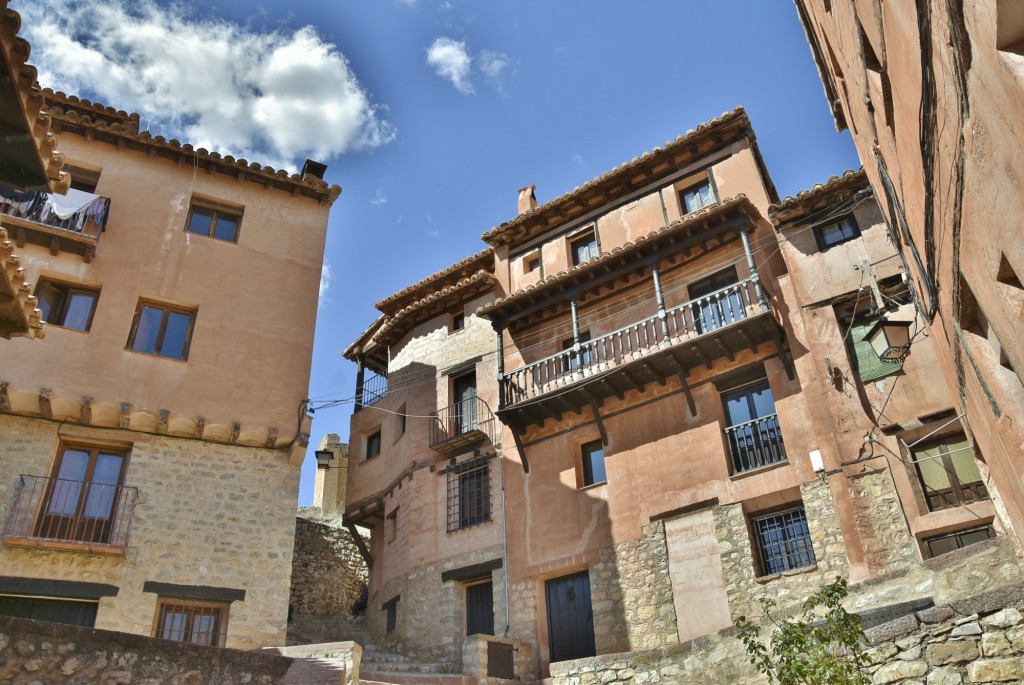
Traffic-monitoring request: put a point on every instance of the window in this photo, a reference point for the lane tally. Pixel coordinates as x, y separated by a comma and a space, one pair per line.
82, 179
70, 612
84, 500
199, 623
696, 197
714, 302
215, 221
163, 330
584, 248
401, 418
752, 427
592, 463
391, 526
950, 542
390, 608
572, 360
531, 263
69, 306
949, 473
373, 445
783, 541
469, 493
836, 232
464, 408
458, 321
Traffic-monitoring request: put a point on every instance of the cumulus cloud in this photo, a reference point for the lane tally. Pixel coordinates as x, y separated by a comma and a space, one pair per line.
492, 63
451, 61
275, 98
326, 275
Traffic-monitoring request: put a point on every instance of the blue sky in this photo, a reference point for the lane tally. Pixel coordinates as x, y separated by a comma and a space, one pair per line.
432, 113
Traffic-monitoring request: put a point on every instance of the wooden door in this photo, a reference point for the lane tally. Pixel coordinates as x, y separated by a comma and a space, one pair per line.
570, 618
465, 403
480, 609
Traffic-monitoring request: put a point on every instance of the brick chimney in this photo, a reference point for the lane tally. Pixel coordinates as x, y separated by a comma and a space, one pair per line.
527, 199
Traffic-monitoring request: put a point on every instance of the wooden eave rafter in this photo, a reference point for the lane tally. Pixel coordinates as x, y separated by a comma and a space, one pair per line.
96, 122
19, 315
705, 139
693, 235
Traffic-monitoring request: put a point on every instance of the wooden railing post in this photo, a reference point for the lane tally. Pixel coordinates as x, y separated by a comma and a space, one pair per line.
660, 296
753, 271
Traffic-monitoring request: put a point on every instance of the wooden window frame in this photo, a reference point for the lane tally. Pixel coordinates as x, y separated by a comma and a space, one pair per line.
220, 610
373, 440
588, 236
166, 310
956, 488
458, 322
819, 231
586, 475
65, 290
926, 549
215, 209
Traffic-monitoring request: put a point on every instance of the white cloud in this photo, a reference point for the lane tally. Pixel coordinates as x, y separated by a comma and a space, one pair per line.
380, 199
326, 275
275, 98
491, 63
451, 61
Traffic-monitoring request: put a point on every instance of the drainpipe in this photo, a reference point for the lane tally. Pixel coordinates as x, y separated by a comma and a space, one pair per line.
360, 373
499, 328
753, 271
504, 542
660, 296
575, 323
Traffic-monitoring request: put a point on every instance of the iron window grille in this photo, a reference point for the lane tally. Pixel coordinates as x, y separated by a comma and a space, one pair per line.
469, 493
198, 623
391, 614
783, 541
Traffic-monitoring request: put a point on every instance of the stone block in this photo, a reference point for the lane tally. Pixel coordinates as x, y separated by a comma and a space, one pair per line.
935, 614
942, 653
966, 630
1007, 618
996, 670
945, 675
995, 644
897, 671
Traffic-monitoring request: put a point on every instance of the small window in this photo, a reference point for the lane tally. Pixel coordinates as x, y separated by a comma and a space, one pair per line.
469, 494
592, 462
401, 419
215, 221
948, 472
584, 248
66, 305
531, 263
195, 622
458, 321
373, 445
82, 179
163, 330
697, 197
390, 608
836, 233
391, 526
950, 542
783, 541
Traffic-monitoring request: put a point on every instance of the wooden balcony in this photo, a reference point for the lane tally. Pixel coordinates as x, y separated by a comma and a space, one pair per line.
62, 223
692, 334
54, 513
462, 424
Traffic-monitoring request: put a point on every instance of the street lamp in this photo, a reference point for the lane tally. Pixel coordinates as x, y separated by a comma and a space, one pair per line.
323, 459
890, 340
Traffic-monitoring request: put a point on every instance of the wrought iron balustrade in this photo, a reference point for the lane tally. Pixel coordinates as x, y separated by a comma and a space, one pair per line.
755, 444
81, 514
686, 321
462, 422
76, 212
375, 388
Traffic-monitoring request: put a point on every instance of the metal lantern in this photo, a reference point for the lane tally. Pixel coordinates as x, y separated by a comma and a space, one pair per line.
890, 339
323, 459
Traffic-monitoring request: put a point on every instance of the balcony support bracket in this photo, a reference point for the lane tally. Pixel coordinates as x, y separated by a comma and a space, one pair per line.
787, 363
681, 372
518, 439
595, 406
360, 544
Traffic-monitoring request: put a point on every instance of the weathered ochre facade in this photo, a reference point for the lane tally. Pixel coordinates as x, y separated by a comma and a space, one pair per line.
207, 430
932, 95
688, 418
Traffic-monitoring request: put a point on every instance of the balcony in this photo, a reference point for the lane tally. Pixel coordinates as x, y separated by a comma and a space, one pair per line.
69, 223
755, 444
371, 390
53, 513
461, 424
695, 333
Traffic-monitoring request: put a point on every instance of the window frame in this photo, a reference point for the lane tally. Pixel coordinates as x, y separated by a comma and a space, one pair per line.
390, 609
215, 208
765, 436
219, 610
167, 310
957, 488
586, 469
825, 243
926, 543
764, 564
469, 493
373, 442
704, 182
65, 290
457, 322
587, 238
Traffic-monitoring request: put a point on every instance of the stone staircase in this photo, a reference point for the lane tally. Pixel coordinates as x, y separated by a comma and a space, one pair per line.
387, 668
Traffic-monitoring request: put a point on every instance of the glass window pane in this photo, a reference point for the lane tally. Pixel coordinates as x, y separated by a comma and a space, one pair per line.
933, 471
79, 310
203, 628
173, 626
73, 465
49, 302
227, 227
99, 503
738, 409
597, 466
175, 335
964, 463
764, 403
67, 487
200, 220
147, 330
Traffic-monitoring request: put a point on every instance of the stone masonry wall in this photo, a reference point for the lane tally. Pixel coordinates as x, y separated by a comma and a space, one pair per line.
208, 514
743, 585
881, 523
976, 640
632, 594
34, 652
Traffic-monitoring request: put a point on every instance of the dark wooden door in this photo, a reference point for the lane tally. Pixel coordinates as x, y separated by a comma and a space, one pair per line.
480, 609
570, 618
465, 403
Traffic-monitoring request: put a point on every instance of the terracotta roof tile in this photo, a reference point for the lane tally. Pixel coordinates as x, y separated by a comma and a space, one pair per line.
470, 265
850, 179
400, 320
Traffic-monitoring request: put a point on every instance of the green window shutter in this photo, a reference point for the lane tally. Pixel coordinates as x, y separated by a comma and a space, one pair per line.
869, 366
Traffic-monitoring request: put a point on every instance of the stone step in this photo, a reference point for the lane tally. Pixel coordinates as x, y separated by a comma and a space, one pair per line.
415, 679
402, 667
314, 672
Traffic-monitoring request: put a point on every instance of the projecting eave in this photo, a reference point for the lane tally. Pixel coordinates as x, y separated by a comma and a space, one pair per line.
481, 261
822, 195
19, 316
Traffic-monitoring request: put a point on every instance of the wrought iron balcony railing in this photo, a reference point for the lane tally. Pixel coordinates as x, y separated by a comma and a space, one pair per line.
53, 512
687, 321
375, 388
755, 444
76, 212
461, 423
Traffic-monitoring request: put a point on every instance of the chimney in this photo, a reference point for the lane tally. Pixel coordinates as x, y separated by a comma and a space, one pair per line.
313, 169
527, 199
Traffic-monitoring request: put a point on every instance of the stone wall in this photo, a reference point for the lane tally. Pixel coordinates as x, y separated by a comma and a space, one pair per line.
743, 584
631, 593
208, 514
975, 640
881, 522
33, 652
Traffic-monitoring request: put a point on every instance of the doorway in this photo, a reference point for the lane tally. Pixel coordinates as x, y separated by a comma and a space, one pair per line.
570, 618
